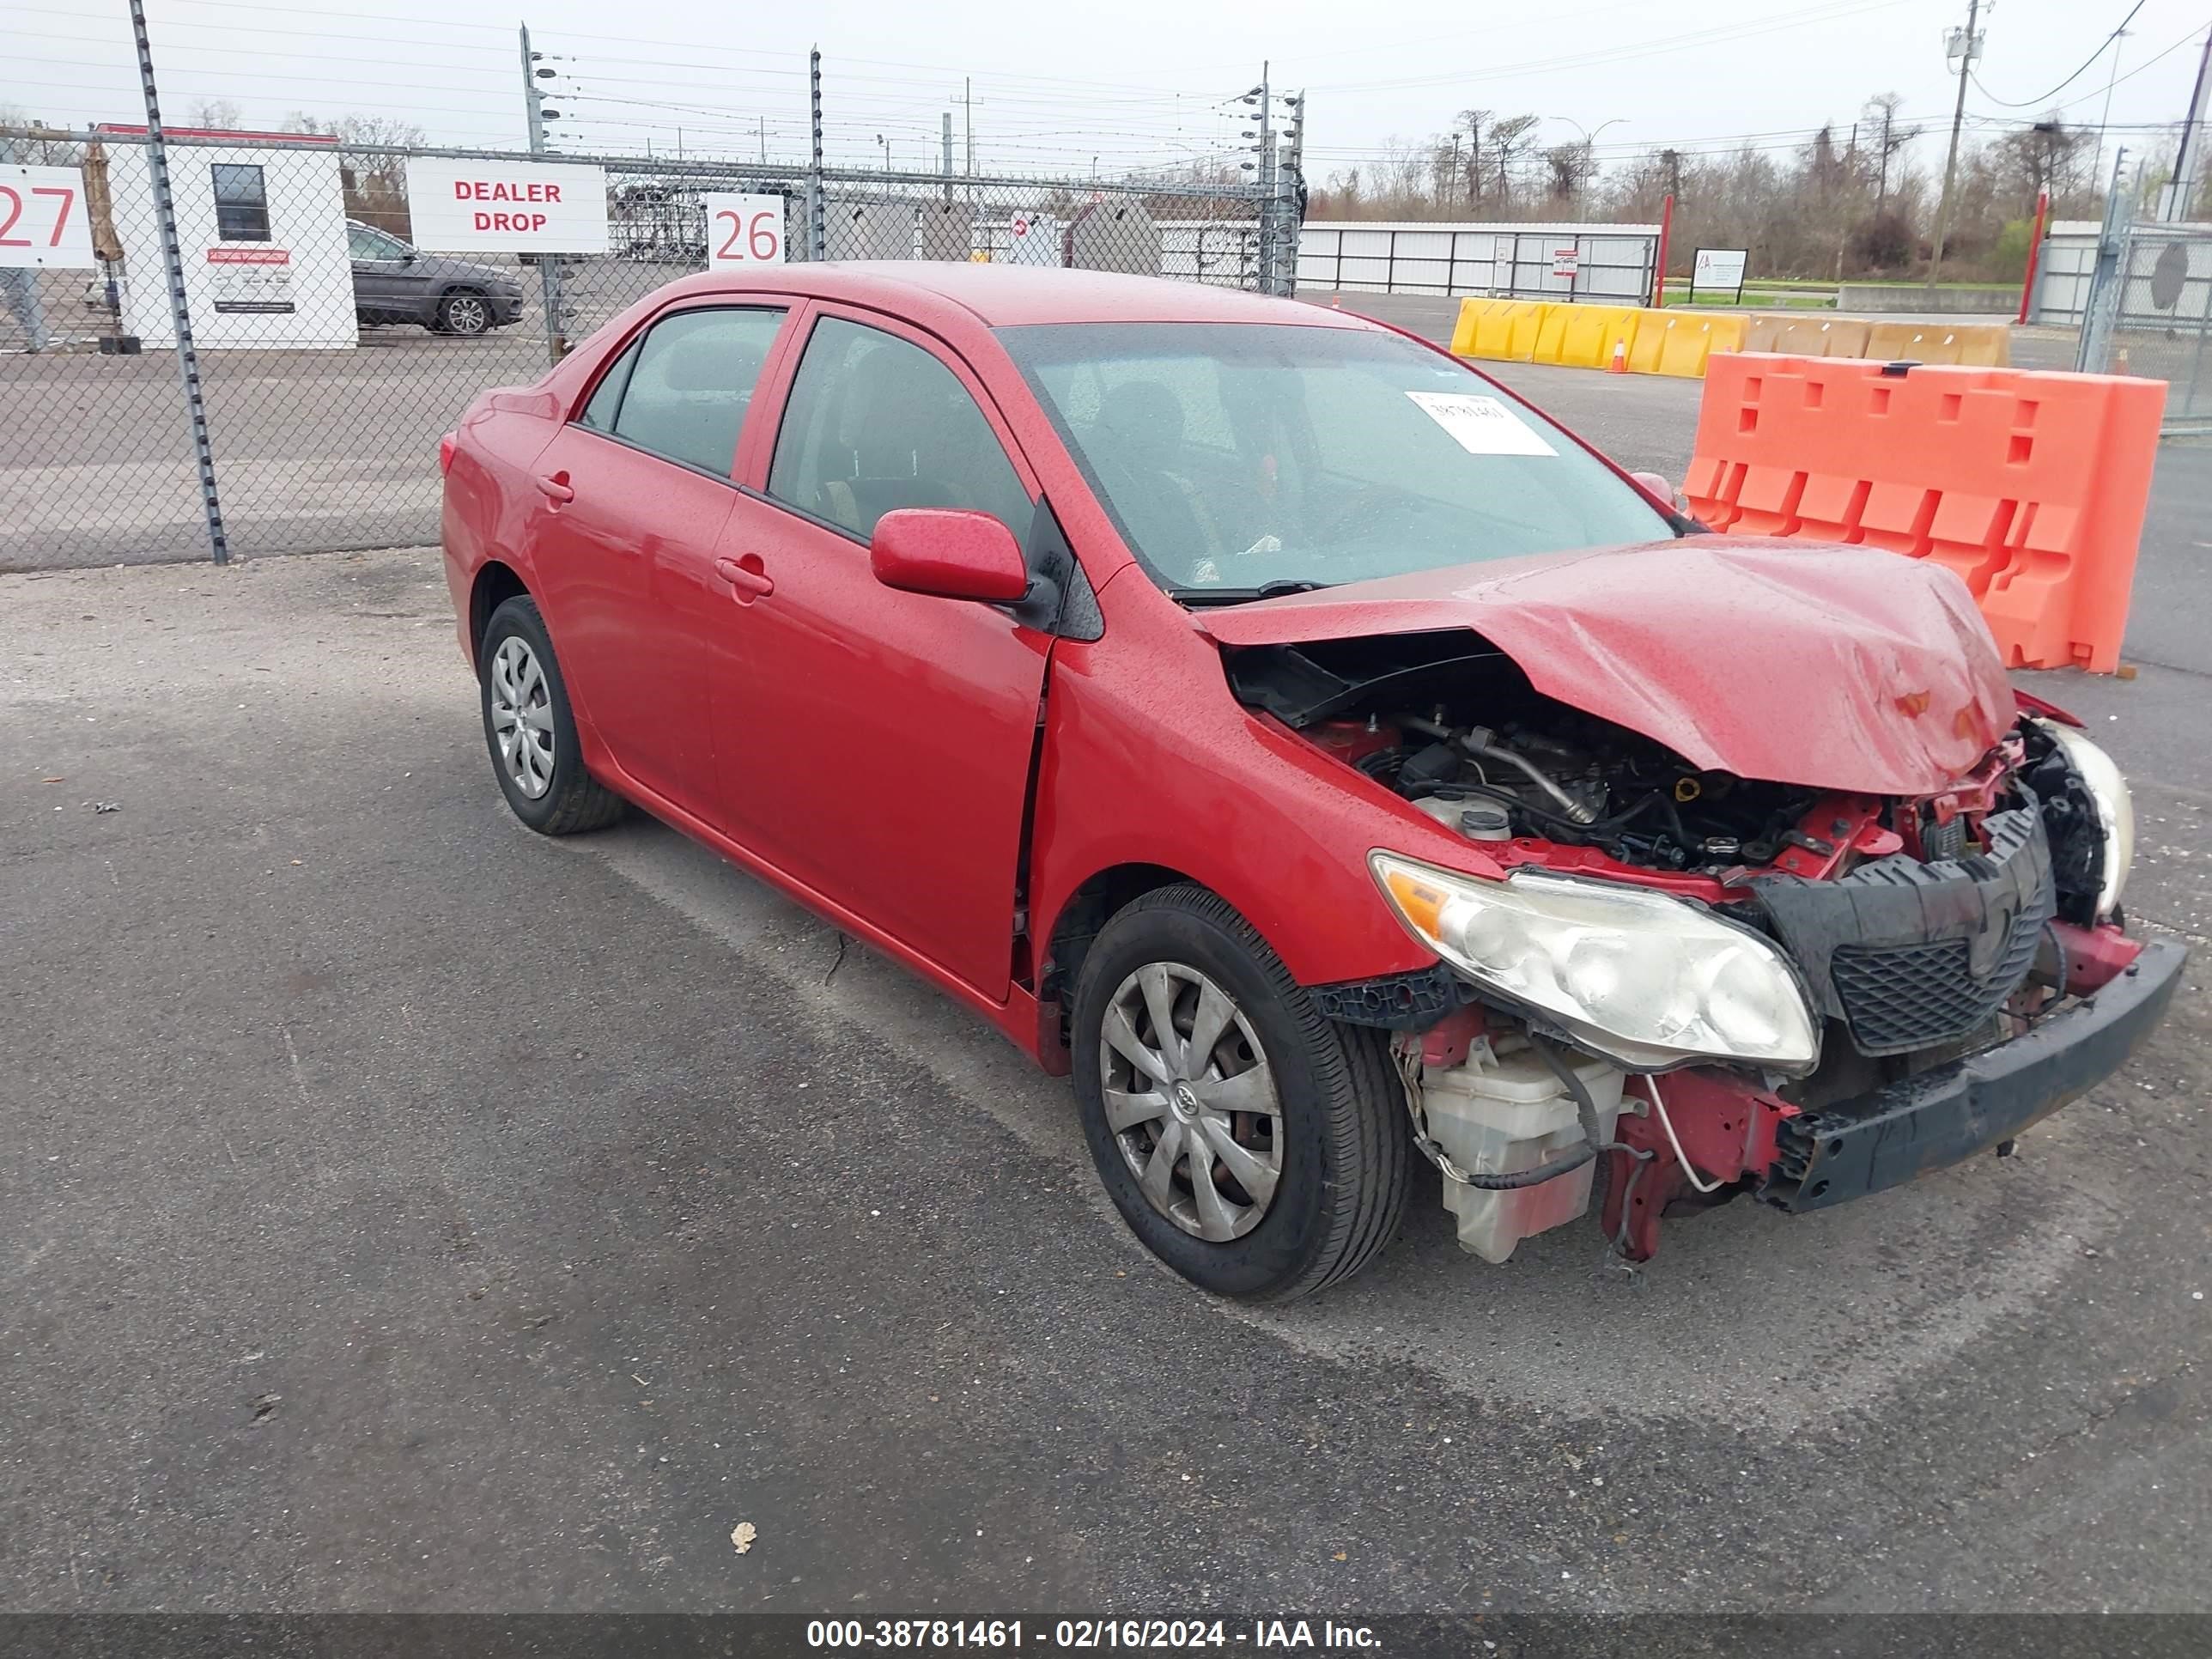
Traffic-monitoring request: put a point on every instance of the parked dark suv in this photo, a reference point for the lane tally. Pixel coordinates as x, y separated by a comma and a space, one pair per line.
393, 282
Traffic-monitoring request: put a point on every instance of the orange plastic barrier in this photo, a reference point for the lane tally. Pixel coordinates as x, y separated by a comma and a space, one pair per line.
2031, 486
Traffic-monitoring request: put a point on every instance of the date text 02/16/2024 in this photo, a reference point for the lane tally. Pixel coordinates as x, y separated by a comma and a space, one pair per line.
1082, 1634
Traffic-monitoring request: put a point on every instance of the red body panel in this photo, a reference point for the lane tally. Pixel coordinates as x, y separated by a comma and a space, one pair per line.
738, 671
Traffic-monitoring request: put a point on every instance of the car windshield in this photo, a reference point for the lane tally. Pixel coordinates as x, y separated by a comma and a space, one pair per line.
1239, 459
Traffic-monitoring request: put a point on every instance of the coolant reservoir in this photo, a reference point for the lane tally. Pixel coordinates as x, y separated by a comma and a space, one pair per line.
1502, 1110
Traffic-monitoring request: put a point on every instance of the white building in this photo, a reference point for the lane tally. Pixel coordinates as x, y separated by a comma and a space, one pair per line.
262, 229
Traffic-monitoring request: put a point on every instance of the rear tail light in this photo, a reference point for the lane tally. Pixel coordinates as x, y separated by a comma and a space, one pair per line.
445, 454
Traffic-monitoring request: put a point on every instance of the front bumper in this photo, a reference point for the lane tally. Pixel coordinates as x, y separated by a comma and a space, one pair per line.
1940, 1117
505, 308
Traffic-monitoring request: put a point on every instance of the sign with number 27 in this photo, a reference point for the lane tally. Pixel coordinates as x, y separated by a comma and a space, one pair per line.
42, 220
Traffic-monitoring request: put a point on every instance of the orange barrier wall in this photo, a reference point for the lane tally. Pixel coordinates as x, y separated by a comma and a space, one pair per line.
2031, 486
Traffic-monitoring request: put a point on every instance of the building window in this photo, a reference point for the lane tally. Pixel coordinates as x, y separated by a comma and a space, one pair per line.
242, 204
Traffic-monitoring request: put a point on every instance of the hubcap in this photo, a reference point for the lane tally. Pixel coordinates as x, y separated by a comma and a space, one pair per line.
522, 716
1191, 1101
466, 316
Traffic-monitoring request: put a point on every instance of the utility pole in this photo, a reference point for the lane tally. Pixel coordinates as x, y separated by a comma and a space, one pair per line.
763, 139
945, 166
548, 264
2181, 189
1968, 49
967, 110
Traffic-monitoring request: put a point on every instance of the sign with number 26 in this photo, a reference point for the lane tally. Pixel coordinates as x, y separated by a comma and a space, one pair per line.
744, 230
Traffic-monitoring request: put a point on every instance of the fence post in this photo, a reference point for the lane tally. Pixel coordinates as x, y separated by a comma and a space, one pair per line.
2107, 278
172, 261
548, 264
818, 206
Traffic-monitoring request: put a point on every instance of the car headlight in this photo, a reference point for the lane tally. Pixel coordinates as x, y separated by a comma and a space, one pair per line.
2116, 809
1634, 975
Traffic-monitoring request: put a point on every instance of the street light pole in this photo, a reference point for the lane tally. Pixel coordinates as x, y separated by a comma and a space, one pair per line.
1589, 155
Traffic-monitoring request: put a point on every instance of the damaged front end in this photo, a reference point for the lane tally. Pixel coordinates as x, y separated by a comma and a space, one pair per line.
1696, 983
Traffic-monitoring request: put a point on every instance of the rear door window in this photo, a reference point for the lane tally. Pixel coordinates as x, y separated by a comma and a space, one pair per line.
683, 391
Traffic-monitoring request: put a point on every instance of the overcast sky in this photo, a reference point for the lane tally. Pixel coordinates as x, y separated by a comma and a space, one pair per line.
1136, 82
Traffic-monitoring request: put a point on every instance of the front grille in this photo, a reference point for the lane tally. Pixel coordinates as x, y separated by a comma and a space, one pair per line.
1909, 954
1915, 996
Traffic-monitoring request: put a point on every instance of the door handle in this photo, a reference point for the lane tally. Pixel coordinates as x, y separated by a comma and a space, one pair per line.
556, 489
746, 576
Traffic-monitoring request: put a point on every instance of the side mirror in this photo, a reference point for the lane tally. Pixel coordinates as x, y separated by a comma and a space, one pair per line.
408, 257
1657, 486
949, 553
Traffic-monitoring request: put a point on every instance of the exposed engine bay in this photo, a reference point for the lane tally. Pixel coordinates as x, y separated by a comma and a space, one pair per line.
1462, 736
1455, 728
1918, 930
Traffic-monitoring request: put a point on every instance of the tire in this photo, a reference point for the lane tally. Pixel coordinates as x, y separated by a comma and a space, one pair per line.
1339, 1142
547, 786
464, 314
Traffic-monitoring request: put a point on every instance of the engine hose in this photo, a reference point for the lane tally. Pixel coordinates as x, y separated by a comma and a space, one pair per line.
1535, 1177
1585, 1107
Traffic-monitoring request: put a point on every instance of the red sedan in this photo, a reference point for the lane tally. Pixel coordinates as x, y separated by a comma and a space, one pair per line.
1329, 760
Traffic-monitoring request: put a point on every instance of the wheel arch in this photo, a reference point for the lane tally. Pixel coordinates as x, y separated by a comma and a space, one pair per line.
495, 583
1089, 907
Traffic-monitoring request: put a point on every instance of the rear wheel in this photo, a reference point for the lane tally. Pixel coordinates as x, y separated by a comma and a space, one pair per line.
464, 314
1257, 1148
531, 730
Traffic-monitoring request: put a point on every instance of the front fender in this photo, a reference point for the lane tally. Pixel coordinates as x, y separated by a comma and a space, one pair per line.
1146, 767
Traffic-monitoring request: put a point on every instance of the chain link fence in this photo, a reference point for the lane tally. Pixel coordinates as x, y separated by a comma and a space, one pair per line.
2149, 312
332, 350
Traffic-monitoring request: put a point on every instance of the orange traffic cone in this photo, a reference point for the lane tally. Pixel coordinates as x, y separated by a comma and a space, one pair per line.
1336, 302
1619, 363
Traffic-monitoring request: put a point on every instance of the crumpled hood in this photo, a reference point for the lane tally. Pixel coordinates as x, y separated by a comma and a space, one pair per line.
1833, 667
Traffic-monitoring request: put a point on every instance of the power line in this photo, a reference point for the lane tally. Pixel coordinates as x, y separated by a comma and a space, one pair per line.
2024, 103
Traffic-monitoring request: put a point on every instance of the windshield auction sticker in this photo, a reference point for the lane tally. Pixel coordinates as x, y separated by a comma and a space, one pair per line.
1481, 426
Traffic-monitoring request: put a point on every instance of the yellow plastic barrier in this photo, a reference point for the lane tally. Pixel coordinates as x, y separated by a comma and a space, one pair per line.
1512, 332
1498, 329
1697, 338
1550, 334
1919, 342
1985, 345
1766, 332
1840, 336
1586, 334
1653, 331
1464, 330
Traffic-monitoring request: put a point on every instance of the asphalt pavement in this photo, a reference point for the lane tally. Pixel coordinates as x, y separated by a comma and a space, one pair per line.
401, 1212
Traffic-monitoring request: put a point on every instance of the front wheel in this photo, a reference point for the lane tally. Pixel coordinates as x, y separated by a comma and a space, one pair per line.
1259, 1149
466, 314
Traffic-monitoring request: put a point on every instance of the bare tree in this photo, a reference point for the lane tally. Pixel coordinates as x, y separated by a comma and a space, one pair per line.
372, 165
1511, 138
1473, 121
1890, 135
217, 115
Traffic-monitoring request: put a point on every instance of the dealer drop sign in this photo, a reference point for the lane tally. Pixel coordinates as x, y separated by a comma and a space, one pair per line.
516, 207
